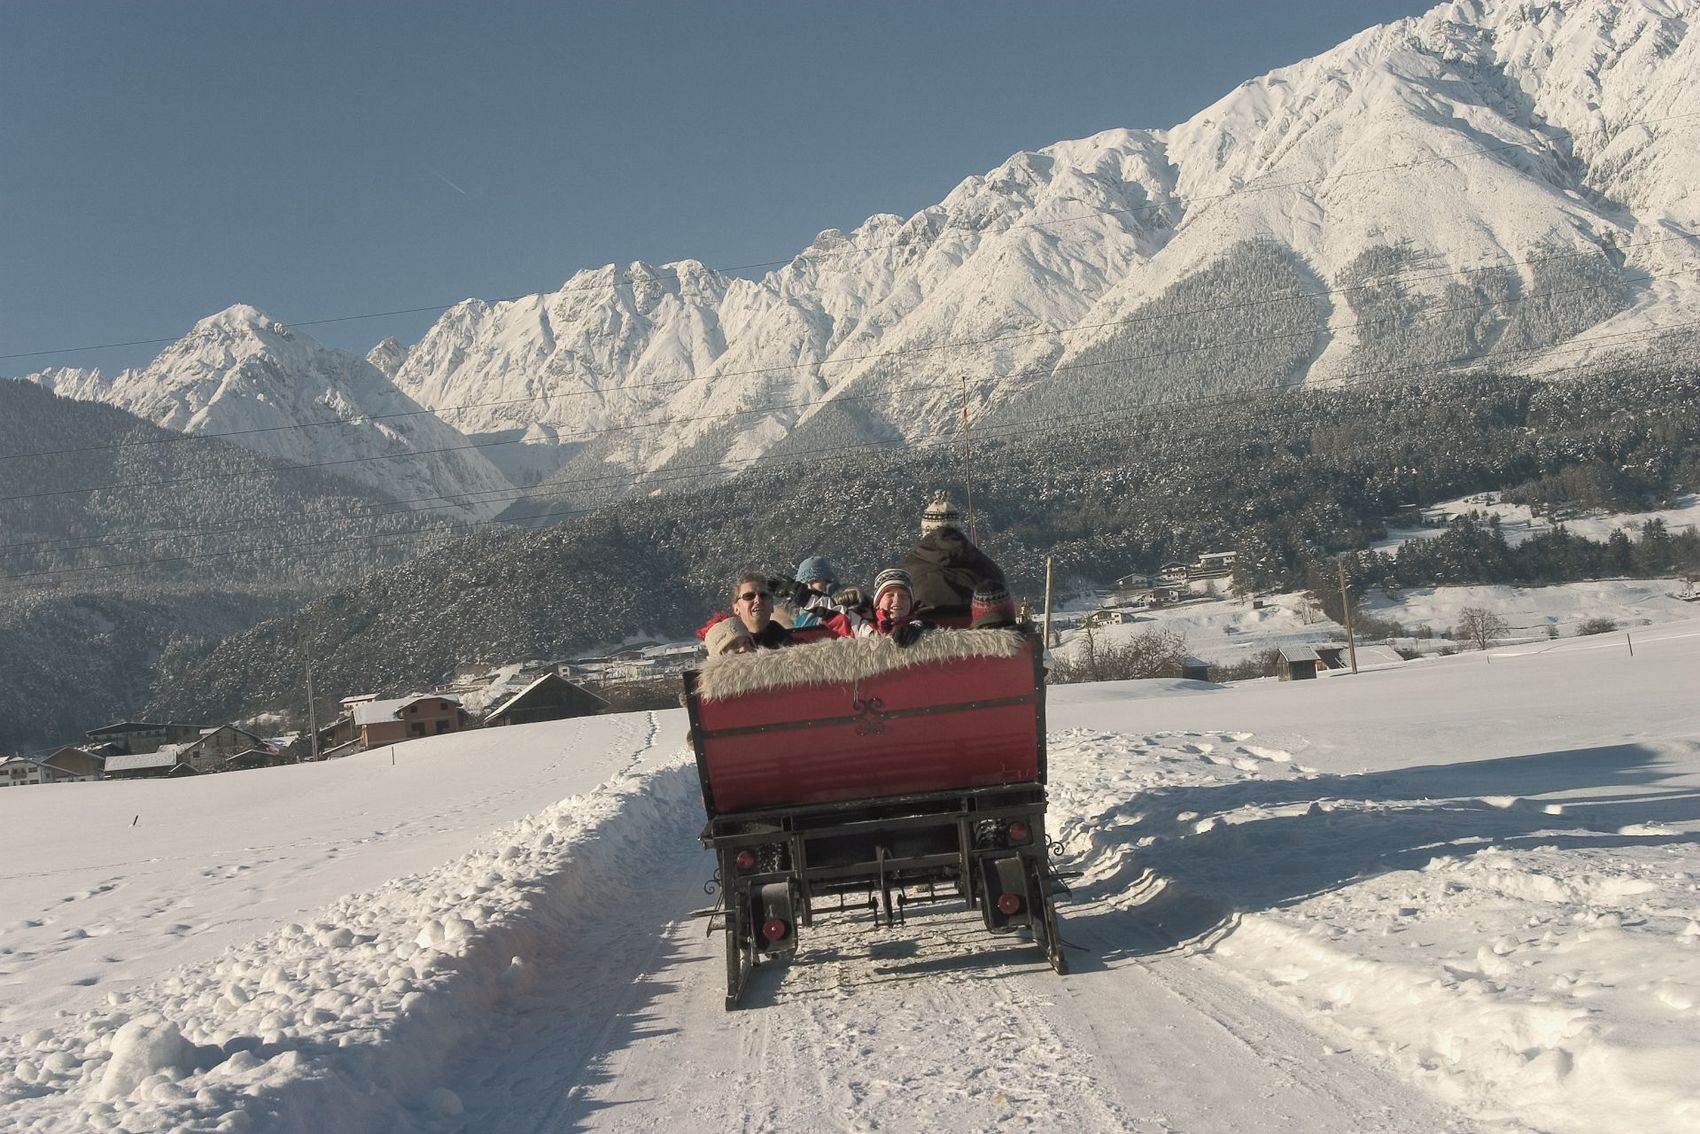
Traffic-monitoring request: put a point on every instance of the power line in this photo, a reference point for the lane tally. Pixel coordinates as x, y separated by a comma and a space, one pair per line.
1191, 206
998, 430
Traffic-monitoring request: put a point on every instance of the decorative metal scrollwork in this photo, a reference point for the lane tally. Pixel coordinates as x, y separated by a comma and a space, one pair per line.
869, 718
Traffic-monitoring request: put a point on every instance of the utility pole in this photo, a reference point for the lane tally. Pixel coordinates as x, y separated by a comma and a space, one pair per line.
312, 712
1346, 609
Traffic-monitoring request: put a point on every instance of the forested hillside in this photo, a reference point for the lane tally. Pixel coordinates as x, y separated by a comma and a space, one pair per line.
117, 536
1283, 478
86, 488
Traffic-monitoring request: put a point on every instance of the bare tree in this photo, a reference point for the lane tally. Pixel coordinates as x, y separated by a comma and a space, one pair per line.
1480, 625
1149, 653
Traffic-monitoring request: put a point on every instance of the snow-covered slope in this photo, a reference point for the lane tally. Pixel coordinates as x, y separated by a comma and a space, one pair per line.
1452, 896
243, 375
1526, 171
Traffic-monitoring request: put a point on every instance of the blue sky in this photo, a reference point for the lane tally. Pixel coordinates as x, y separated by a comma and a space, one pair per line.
160, 161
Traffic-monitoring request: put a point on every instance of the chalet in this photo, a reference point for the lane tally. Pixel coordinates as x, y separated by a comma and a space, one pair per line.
163, 761
408, 718
336, 734
1173, 574
19, 771
70, 765
549, 698
1213, 565
136, 737
1134, 582
216, 745
1299, 663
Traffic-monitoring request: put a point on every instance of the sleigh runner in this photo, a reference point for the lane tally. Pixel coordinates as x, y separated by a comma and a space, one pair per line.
849, 775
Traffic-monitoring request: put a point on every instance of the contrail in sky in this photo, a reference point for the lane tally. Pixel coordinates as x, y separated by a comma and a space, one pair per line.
449, 183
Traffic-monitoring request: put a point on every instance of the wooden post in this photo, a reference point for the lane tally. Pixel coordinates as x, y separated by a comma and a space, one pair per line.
1049, 641
1346, 610
312, 716
1631, 642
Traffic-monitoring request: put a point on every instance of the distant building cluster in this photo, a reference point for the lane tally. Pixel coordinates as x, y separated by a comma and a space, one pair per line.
475, 696
1174, 581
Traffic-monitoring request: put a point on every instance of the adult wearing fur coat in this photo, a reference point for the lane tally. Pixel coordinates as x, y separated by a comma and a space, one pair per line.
945, 566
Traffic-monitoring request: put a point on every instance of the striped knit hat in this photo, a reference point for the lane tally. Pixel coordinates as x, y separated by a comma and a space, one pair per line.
940, 514
892, 577
991, 606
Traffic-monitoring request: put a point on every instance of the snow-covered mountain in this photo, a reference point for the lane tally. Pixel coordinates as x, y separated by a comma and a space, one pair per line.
243, 375
1495, 182
1523, 172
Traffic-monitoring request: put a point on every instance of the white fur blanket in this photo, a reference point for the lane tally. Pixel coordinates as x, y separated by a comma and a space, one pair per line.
842, 661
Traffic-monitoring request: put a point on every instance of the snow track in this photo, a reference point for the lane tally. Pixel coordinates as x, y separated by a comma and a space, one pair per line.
934, 1025
1257, 944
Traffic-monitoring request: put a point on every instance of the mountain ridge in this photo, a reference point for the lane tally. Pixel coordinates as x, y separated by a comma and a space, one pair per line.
1492, 182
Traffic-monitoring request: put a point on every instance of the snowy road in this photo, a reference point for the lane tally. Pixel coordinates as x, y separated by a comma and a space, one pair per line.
1463, 895
934, 1026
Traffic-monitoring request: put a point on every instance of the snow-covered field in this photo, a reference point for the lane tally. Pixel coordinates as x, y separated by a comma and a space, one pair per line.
1518, 523
1459, 894
1227, 630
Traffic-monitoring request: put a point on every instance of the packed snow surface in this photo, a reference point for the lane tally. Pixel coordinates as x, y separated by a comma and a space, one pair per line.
1459, 894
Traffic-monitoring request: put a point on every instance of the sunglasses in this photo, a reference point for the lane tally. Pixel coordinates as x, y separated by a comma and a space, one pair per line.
752, 596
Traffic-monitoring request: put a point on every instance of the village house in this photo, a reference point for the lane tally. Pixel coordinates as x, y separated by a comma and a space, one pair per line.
397, 719
1131, 589
549, 698
71, 765
163, 761
19, 771
1173, 574
1213, 565
136, 737
217, 745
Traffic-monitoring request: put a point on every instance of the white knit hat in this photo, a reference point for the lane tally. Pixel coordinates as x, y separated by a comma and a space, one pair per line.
940, 514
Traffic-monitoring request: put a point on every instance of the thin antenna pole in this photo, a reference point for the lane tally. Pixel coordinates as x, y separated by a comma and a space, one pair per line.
968, 462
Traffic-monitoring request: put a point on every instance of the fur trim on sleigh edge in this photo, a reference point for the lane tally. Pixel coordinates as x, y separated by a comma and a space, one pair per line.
842, 661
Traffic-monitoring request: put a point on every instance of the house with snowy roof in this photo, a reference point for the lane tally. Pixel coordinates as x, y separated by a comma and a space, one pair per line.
70, 765
167, 760
1299, 663
549, 698
142, 736
396, 719
19, 771
217, 745
1213, 565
